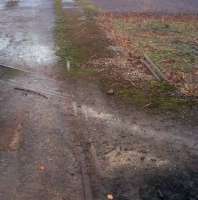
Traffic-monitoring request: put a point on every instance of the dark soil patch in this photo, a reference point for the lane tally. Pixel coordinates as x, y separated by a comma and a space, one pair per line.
175, 184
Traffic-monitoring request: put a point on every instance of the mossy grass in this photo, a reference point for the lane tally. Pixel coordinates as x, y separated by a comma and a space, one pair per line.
79, 38
157, 97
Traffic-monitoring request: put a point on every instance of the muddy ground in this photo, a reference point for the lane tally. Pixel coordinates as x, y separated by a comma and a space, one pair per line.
62, 138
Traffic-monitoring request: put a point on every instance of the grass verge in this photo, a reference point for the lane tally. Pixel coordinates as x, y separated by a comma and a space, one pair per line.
159, 98
171, 42
80, 40
78, 37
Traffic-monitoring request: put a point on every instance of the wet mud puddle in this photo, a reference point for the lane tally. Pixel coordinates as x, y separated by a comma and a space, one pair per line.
26, 39
9, 4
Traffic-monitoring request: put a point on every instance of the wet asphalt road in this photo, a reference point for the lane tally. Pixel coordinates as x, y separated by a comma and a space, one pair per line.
65, 139
153, 6
36, 161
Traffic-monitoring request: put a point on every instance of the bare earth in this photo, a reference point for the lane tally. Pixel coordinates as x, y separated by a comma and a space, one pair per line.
65, 139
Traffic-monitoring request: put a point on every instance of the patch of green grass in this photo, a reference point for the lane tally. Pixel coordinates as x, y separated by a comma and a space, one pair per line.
158, 96
161, 27
78, 37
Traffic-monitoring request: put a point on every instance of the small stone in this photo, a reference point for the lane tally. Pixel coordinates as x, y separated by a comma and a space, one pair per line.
142, 158
153, 160
110, 197
110, 92
42, 168
117, 50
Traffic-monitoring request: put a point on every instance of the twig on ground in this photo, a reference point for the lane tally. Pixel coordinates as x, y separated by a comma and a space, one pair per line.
154, 69
151, 69
31, 91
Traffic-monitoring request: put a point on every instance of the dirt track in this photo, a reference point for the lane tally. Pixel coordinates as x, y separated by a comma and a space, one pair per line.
65, 139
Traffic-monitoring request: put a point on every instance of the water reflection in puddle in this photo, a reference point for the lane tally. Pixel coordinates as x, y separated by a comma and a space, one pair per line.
4, 42
10, 4
39, 54
27, 48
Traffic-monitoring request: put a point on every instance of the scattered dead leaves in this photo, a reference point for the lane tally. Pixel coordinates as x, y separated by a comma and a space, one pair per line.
127, 65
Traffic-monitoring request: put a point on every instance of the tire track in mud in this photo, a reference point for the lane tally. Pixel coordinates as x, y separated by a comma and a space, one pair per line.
81, 147
84, 153
82, 157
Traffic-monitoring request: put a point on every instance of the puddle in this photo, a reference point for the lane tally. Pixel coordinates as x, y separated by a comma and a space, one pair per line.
27, 52
11, 4
4, 42
38, 54
27, 42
